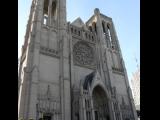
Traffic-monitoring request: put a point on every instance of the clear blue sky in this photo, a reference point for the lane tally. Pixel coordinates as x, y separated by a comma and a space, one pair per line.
125, 15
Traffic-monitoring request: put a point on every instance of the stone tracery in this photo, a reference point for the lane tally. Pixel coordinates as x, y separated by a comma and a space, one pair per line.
83, 53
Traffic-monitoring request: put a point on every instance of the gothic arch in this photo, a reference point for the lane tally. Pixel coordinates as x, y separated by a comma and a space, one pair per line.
100, 103
94, 27
95, 98
103, 26
102, 88
93, 81
97, 81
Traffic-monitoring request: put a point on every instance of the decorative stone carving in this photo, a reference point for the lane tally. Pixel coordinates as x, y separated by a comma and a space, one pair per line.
48, 104
126, 111
49, 52
118, 70
83, 54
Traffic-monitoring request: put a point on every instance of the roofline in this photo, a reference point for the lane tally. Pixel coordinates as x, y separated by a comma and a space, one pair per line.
106, 16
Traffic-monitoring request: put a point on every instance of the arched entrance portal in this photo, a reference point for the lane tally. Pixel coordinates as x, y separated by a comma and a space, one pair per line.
100, 104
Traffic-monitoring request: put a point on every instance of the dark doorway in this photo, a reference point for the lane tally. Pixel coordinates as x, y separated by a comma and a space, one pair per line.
96, 115
100, 102
108, 117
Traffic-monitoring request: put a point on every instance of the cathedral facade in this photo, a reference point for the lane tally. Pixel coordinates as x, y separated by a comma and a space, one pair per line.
72, 71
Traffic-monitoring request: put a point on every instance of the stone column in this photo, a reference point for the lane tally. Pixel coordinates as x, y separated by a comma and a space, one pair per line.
120, 112
91, 104
64, 62
35, 61
23, 85
114, 42
92, 108
84, 109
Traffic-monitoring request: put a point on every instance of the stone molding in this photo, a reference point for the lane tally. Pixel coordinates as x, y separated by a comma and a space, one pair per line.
118, 71
49, 52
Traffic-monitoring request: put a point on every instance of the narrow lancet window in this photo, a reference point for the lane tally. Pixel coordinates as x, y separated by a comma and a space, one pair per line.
45, 18
109, 34
54, 12
94, 26
103, 26
45, 12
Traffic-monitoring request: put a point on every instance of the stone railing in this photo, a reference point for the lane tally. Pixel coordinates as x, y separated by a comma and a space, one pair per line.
82, 34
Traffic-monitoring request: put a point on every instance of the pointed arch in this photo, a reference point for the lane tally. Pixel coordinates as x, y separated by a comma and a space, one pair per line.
100, 103
94, 26
54, 8
45, 11
103, 26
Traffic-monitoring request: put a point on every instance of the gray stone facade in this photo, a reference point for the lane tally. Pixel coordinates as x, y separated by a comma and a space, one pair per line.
72, 71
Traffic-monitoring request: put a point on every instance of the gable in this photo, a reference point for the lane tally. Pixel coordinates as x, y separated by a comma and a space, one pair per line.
78, 22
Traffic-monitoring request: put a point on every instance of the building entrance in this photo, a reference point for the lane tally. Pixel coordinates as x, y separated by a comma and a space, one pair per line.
100, 104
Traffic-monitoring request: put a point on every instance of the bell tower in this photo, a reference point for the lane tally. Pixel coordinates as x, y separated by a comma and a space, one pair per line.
44, 81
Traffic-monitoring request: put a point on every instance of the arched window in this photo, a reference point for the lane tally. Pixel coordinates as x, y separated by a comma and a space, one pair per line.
109, 34
103, 26
54, 9
94, 26
45, 12
45, 18
45, 7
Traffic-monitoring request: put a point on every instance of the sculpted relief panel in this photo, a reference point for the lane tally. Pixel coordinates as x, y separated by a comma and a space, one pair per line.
83, 54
